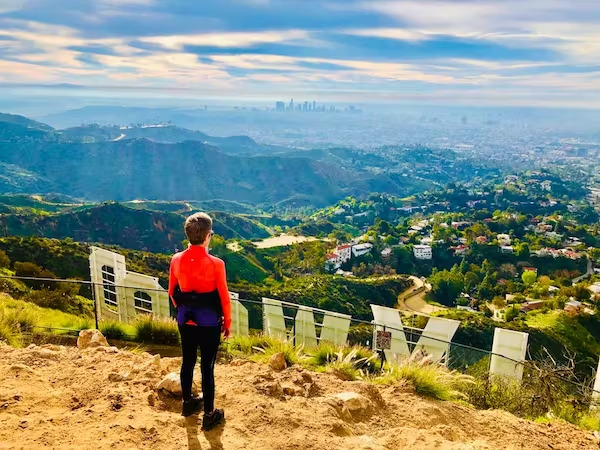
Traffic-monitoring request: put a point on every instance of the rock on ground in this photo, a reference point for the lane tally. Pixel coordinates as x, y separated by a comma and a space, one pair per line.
277, 362
91, 338
171, 383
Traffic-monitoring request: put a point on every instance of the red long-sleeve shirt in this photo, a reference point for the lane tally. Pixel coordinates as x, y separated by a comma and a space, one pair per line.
194, 269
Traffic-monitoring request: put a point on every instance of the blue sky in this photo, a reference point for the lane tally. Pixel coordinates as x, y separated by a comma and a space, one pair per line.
453, 52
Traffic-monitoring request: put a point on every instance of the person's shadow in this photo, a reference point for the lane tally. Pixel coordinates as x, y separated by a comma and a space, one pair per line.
213, 436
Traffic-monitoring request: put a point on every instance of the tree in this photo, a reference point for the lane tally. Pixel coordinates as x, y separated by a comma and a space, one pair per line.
361, 270
528, 277
499, 302
4, 259
382, 226
508, 270
446, 286
462, 301
582, 293
402, 260
464, 267
443, 233
522, 250
391, 240
545, 280
486, 288
486, 268
471, 280
32, 270
475, 230
511, 314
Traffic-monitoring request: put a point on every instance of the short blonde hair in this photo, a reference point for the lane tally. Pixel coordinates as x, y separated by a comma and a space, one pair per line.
197, 226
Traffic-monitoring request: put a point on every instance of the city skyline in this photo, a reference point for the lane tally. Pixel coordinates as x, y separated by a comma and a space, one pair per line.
441, 52
310, 106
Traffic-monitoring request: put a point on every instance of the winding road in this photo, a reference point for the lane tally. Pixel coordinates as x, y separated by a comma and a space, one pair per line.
413, 300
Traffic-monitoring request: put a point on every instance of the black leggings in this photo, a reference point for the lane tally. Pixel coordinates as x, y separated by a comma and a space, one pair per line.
208, 339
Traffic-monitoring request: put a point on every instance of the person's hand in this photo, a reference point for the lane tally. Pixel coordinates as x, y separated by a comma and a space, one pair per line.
226, 331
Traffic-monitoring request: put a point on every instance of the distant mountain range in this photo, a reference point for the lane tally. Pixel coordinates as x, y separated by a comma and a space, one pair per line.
165, 162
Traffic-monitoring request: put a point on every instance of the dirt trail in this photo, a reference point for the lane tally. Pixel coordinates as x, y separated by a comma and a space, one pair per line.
65, 398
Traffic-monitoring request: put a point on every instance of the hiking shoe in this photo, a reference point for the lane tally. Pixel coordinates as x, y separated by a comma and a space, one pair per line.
213, 419
191, 406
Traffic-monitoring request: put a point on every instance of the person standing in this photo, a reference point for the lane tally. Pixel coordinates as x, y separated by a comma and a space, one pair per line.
198, 289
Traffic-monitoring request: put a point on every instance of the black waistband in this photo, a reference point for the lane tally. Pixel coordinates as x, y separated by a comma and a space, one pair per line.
210, 300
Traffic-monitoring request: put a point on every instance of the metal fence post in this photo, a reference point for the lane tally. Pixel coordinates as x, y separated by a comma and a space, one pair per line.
95, 305
382, 353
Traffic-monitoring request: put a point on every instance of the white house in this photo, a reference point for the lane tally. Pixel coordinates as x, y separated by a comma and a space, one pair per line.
506, 249
340, 255
503, 239
386, 252
332, 261
573, 306
120, 294
595, 288
427, 240
423, 252
343, 252
361, 249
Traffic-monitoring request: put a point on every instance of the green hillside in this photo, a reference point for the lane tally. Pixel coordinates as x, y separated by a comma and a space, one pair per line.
23, 121
16, 179
116, 224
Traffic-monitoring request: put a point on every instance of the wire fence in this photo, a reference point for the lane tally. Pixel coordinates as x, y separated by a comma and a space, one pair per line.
86, 299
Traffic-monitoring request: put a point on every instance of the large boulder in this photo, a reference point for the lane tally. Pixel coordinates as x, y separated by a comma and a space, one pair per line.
90, 339
171, 383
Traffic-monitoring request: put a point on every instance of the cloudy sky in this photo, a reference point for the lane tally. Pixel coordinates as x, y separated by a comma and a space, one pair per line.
535, 52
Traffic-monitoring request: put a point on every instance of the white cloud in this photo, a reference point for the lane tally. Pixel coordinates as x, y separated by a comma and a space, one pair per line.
568, 28
389, 33
117, 3
39, 52
236, 39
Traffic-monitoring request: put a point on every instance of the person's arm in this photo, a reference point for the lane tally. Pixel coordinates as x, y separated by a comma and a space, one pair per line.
172, 281
224, 296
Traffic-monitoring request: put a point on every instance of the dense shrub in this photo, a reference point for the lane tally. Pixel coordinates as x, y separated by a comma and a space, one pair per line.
156, 330
14, 288
61, 298
13, 321
113, 329
431, 380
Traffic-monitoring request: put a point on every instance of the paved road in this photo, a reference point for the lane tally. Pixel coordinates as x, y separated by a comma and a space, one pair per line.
589, 273
413, 300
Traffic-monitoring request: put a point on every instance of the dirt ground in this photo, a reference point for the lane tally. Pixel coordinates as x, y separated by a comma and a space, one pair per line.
61, 397
282, 240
